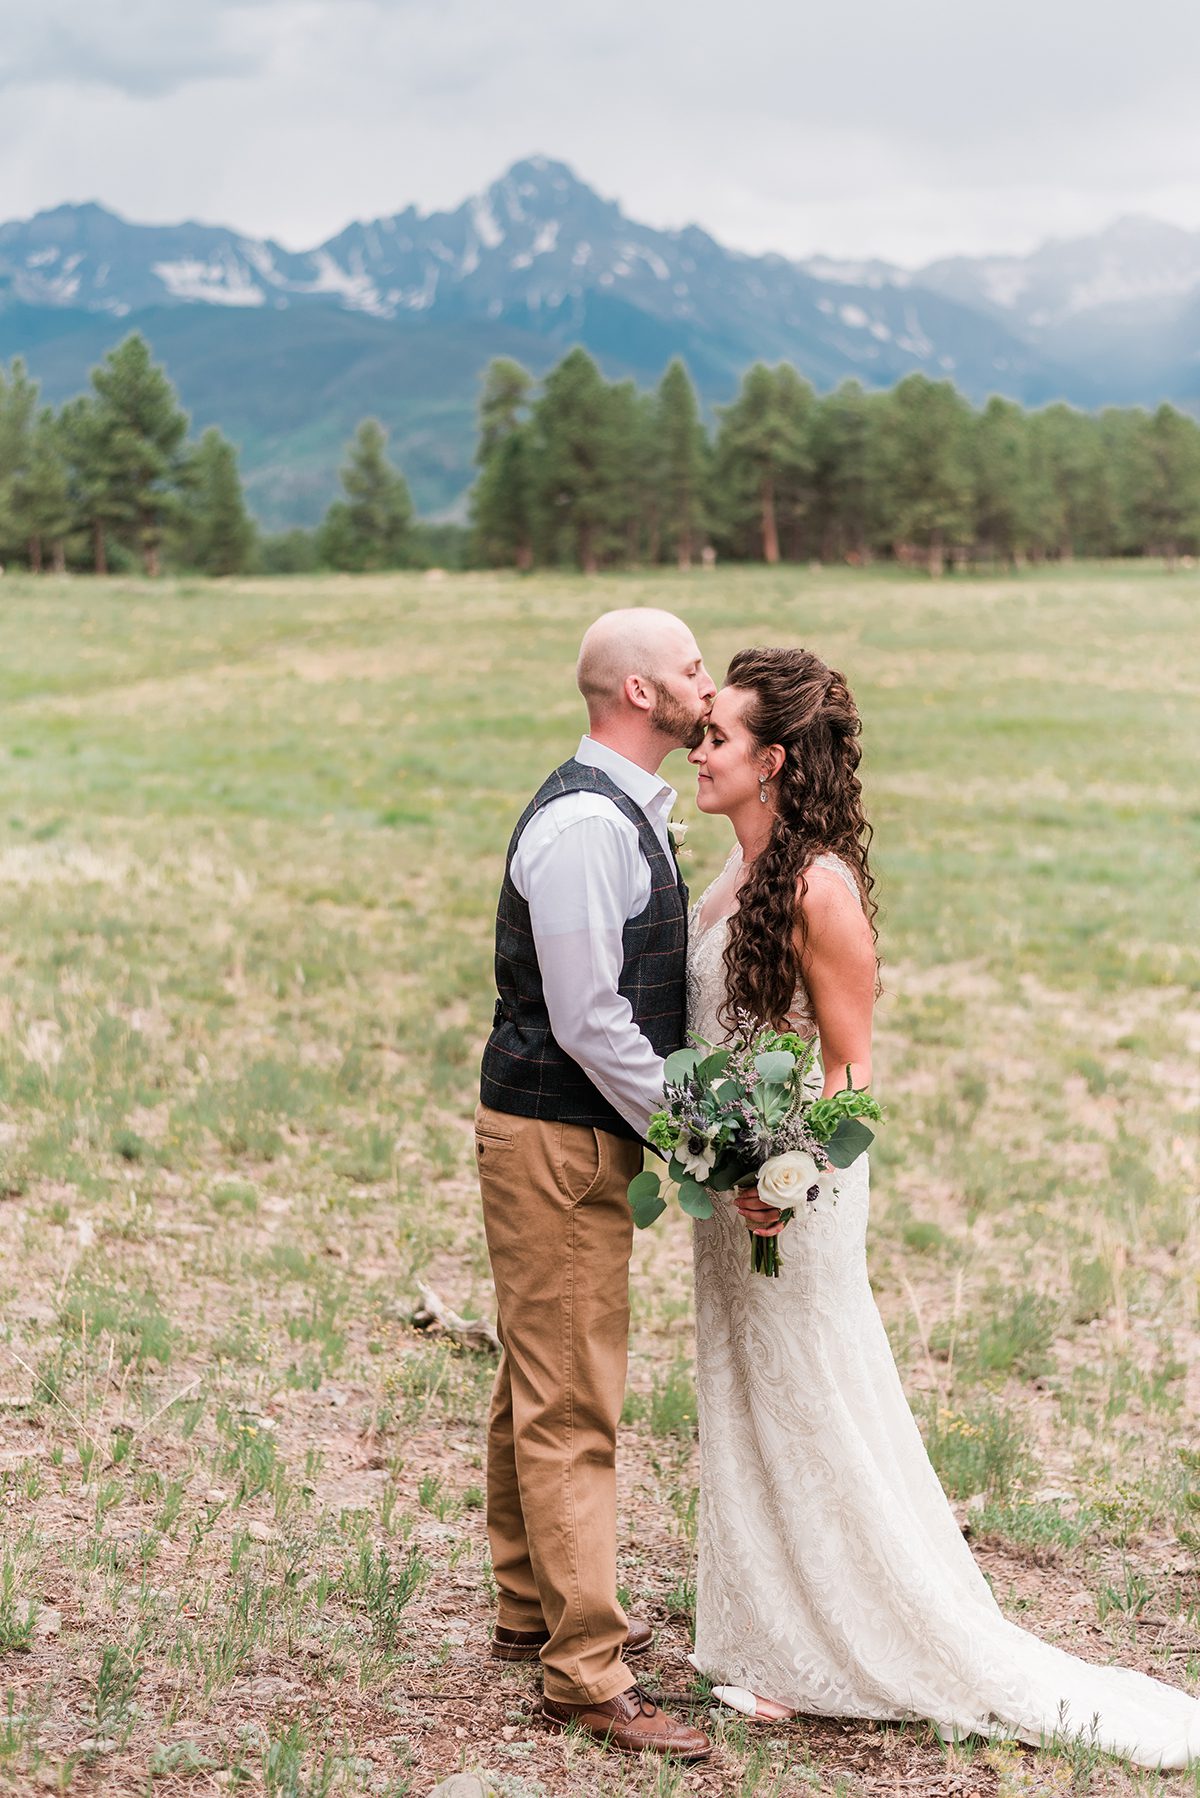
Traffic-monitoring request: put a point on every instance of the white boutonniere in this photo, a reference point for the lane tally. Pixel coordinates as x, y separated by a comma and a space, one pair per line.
677, 830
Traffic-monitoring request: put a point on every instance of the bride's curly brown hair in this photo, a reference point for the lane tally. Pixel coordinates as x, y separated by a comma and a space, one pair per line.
807, 709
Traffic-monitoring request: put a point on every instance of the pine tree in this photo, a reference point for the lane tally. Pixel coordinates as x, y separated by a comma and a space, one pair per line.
763, 458
217, 534
18, 404
842, 493
682, 451
138, 442
507, 388
1166, 483
41, 496
371, 528
921, 465
501, 497
999, 440
575, 473
97, 501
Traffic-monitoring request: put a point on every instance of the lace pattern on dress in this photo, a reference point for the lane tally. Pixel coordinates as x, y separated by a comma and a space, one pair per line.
831, 1574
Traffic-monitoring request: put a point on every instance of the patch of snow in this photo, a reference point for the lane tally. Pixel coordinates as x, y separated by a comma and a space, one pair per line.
72, 263
546, 238
220, 283
522, 260
487, 226
1114, 284
40, 258
826, 306
470, 261
441, 250
64, 288
621, 267
419, 299
880, 330
946, 362
357, 290
1004, 282
855, 317
101, 276
914, 340
583, 253
260, 258
606, 279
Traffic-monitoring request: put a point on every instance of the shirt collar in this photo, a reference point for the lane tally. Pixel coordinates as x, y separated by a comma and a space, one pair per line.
645, 789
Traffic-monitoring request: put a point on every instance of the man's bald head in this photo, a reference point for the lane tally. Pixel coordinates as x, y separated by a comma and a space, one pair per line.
637, 640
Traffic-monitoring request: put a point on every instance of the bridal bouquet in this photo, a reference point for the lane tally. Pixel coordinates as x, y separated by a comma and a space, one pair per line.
741, 1116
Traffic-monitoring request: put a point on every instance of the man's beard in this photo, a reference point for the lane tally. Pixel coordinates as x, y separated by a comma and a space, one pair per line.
674, 720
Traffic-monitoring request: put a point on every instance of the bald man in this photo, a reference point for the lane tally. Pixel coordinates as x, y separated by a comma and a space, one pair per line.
591, 939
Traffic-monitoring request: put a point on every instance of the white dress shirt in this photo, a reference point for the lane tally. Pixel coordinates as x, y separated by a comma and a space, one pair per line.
579, 867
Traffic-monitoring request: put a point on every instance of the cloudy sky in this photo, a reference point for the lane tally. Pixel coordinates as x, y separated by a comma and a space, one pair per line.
902, 128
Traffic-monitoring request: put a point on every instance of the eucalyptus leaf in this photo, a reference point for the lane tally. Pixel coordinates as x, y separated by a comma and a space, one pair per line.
644, 1185
693, 1199
680, 1066
676, 1169
712, 1065
848, 1142
776, 1064
646, 1209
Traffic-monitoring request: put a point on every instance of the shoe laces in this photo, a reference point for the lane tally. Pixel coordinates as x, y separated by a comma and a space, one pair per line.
645, 1704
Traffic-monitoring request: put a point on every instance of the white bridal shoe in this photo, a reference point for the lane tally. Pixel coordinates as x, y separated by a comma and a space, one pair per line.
764, 1710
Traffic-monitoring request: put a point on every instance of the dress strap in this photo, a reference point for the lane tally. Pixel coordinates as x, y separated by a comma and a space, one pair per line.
840, 868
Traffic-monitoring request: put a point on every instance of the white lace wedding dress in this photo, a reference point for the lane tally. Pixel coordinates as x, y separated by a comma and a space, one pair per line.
832, 1576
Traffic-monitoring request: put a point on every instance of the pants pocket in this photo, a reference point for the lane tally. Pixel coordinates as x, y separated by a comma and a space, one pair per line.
580, 1161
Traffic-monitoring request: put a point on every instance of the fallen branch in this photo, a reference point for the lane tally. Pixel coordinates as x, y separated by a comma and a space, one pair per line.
435, 1316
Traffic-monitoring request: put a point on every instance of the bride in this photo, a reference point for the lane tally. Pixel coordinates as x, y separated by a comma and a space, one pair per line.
832, 1578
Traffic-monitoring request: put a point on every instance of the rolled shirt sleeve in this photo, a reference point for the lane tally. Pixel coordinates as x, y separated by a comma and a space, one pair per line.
583, 878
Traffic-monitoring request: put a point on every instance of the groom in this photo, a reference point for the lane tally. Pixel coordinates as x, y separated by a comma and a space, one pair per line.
591, 936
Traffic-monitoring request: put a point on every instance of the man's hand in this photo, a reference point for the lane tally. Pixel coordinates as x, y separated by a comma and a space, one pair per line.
759, 1218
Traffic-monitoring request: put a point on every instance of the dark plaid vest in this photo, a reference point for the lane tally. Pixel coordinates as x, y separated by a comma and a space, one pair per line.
524, 1070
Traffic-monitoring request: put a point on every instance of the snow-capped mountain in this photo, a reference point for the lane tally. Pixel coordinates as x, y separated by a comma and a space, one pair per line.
536, 262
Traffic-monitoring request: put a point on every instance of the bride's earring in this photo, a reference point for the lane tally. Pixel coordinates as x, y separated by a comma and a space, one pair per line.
762, 789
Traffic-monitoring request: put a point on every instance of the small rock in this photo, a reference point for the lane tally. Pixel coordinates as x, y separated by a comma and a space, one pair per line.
98, 1745
47, 1623
216, 1496
461, 1785
976, 1502
261, 1532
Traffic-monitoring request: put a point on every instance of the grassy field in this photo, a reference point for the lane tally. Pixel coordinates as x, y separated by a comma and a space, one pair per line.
250, 837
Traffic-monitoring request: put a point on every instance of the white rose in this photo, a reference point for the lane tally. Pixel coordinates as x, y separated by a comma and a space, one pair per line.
785, 1179
678, 827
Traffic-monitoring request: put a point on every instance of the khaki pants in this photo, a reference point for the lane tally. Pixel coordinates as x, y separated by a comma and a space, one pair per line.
559, 1233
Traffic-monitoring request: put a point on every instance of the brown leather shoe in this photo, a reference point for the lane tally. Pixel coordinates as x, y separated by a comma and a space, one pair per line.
633, 1723
526, 1645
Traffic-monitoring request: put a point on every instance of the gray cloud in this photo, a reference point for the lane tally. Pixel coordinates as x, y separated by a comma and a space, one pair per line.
139, 48
904, 130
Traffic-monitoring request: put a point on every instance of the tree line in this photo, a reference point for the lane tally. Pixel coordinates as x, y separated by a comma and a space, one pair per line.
110, 479
595, 473
576, 470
